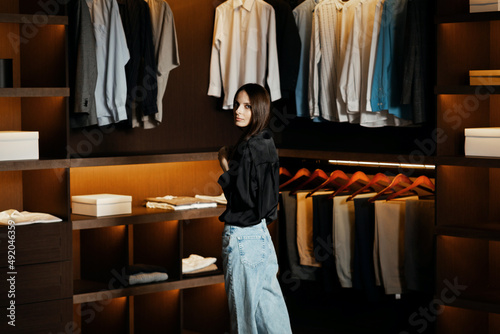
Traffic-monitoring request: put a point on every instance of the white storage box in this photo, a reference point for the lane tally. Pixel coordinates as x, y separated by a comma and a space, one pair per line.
484, 142
18, 145
479, 6
101, 205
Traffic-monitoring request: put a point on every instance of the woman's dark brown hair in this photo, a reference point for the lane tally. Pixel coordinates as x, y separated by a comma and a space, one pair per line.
260, 105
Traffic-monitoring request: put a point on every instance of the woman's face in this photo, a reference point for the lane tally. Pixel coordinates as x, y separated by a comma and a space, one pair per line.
243, 110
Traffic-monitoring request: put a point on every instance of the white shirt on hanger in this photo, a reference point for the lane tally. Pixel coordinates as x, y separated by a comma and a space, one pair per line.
332, 25
243, 49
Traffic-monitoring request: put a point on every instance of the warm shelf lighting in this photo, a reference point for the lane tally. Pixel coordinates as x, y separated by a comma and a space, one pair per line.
380, 164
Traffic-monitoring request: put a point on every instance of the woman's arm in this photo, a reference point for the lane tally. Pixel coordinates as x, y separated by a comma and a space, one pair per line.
224, 158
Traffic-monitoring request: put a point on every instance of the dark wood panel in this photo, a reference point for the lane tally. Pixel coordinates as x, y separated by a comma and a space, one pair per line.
9, 49
11, 196
47, 68
455, 113
38, 243
41, 318
454, 187
157, 313
457, 51
34, 19
34, 92
36, 283
467, 90
103, 254
158, 244
144, 159
110, 317
9, 6
455, 320
10, 114
452, 7
205, 309
48, 117
488, 231
19, 165
46, 191
464, 262
42, 7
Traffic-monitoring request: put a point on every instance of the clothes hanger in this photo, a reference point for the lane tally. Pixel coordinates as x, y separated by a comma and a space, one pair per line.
331, 180
284, 175
355, 178
300, 173
400, 180
285, 172
377, 179
318, 173
423, 182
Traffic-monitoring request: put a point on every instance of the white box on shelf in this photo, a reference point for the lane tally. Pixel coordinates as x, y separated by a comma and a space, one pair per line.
101, 205
479, 6
18, 145
483, 142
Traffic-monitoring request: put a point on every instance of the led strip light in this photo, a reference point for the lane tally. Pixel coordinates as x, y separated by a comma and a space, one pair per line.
380, 164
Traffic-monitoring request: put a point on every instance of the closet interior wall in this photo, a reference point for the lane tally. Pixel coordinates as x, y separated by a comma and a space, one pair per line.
192, 120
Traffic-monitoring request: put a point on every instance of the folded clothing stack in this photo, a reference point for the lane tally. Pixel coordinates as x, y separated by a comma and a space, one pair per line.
195, 264
26, 218
145, 273
179, 203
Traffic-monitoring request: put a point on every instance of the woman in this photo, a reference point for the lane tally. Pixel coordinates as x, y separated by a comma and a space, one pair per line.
250, 184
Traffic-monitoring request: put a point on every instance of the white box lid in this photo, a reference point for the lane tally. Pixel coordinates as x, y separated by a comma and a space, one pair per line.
101, 198
483, 132
18, 135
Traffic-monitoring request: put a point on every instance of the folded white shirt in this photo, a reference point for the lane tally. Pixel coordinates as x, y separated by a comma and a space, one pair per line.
26, 217
211, 267
195, 262
166, 206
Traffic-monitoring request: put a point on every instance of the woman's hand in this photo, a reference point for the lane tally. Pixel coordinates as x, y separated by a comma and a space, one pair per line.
224, 158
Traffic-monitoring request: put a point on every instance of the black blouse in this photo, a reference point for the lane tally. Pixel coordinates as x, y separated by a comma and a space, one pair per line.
251, 185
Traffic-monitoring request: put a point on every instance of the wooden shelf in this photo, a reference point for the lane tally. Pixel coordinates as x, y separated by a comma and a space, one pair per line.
34, 92
485, 300
467, 90
349, 156
469, 17
486, 162
41, 19
12, 165
143, 159
489, 231
142, 215
88, 291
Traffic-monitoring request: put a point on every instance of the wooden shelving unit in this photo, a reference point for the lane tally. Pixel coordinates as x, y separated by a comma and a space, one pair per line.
468, 231
142, 215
